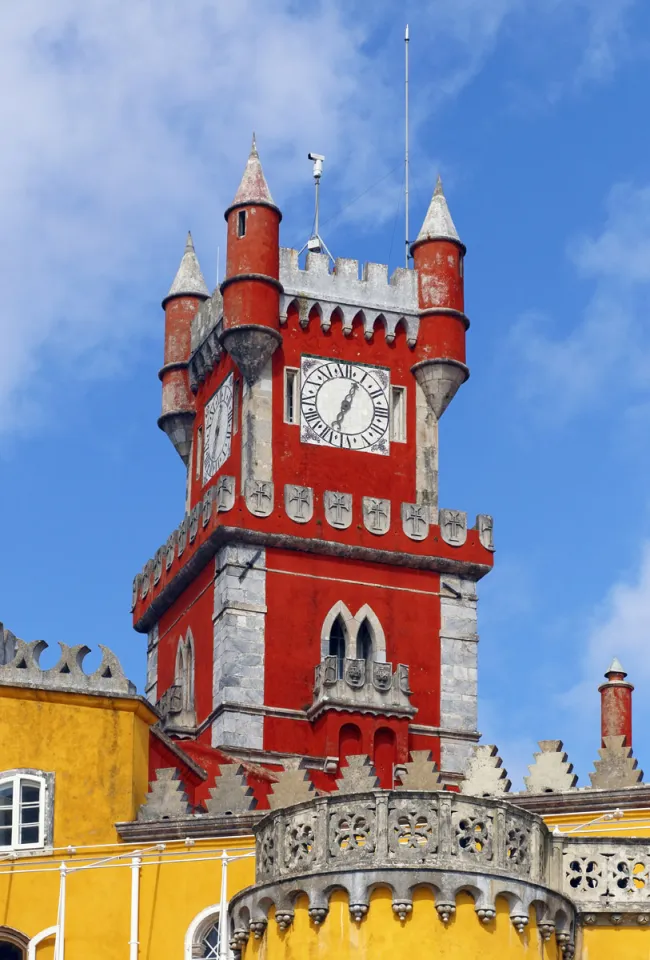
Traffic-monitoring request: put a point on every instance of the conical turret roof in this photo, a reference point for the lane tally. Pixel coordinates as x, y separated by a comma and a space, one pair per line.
616, 667
438, 223
188, 281
253, 187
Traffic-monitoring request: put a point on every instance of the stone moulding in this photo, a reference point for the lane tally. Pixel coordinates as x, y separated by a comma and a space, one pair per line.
24, 669
404, 840
365, 688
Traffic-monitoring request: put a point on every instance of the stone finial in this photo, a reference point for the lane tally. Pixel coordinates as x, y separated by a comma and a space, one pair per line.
292, 786
616, 767
438, 224
166, 799
253, 187
231, 793
24, 669
421, 773
485, 776
551, 772
7, 645
188, 281
616, 667
358, 776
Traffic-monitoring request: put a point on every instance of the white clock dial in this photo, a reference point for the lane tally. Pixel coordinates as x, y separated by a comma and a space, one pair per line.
344, 405
218, 429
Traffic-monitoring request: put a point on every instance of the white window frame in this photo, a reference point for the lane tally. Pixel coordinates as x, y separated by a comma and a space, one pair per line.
45, 781
198, 929
398, 430
292, 383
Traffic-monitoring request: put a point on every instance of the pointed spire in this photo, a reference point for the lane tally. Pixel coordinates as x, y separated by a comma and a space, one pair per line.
188, 281
438, 223
615, 667
253, 187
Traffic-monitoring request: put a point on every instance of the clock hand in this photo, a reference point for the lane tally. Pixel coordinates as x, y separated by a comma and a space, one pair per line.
345, 406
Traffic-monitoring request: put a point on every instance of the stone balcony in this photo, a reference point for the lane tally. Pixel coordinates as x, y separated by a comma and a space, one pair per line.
175, 719
362, 686
406, 840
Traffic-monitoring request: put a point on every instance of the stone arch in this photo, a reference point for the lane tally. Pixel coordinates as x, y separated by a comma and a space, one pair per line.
197, 930
350, 740
184, 669
367, 614
292, 311
16, 941
338, 610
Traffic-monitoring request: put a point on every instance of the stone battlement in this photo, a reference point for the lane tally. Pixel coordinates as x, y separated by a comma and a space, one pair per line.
373, 295
20, 667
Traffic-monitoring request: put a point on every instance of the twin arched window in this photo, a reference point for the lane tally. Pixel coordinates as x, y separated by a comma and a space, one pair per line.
359, 637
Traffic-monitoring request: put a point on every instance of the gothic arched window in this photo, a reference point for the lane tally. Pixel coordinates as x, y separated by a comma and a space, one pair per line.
337, 644
210, 942
364, 642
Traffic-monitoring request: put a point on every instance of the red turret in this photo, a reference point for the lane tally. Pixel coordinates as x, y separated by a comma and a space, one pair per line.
186, 294
616, 704
251, 290
438, 256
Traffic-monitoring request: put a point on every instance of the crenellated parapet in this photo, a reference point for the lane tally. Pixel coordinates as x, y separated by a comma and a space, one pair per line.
373, 297
20, 667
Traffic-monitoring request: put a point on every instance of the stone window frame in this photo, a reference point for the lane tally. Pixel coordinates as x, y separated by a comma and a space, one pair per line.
198, 929
184, 668
291, 386
15, 938
46, 820
352, 625
398, 426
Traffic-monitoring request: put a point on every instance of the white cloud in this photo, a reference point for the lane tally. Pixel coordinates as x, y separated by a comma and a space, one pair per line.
606, 354
128, 120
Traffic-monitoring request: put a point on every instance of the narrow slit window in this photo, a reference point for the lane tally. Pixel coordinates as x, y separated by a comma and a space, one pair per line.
461, 266
235, 406
199, 452
291, 384
398, 414
241, 223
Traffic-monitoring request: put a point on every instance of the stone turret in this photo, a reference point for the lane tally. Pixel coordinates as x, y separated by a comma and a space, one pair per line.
186, 294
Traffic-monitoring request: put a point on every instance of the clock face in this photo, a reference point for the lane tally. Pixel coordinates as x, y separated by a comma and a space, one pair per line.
344, 405
218, 429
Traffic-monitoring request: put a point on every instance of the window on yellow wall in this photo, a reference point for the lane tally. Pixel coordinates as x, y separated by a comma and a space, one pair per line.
25, 810
210, 942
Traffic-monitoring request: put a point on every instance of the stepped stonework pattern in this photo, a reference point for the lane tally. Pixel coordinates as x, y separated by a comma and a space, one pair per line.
551, 772
616, 767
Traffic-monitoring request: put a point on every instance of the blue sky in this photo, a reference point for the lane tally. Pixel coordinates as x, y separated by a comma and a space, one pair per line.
130, 120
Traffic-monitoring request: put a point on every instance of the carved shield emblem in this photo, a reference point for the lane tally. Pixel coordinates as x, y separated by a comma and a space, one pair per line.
299, 502
485, 527
145, 581
170, 551
157, 565
182, 535
415, 520
382, 676
403, 678
206, 511
259, 497
338, 509
355, 673
376, 515
225, 493
136, 590
194, 522
453, 527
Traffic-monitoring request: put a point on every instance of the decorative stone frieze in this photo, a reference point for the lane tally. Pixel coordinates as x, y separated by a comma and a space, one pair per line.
616, 767
551, 772
299, 502
259, 497
207, 505
420, 773
453, 527
158, 565
368, 687
485, 776
231, 793
358, 776
608, 878
195, 513
338, 509
68, 674
136, 591
292, 786
404, 840
376, 515
166, 799
415, 520
170, 550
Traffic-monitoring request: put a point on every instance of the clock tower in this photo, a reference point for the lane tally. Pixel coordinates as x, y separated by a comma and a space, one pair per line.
315, 601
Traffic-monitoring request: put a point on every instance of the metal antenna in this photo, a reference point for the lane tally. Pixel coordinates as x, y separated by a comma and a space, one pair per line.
316, 244
406, 142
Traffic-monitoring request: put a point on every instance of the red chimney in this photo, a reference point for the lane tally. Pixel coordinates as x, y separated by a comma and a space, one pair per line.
616, 704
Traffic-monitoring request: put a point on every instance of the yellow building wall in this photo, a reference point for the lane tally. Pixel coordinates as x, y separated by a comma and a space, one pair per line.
632, 823
97, 748
383, 936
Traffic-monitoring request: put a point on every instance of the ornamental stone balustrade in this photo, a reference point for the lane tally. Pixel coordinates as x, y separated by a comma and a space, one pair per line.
403, 840
365, 686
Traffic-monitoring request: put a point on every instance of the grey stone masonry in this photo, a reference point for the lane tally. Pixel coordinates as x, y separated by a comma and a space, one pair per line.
256, 429
151, 682
459, 674
239, 626
374, 294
